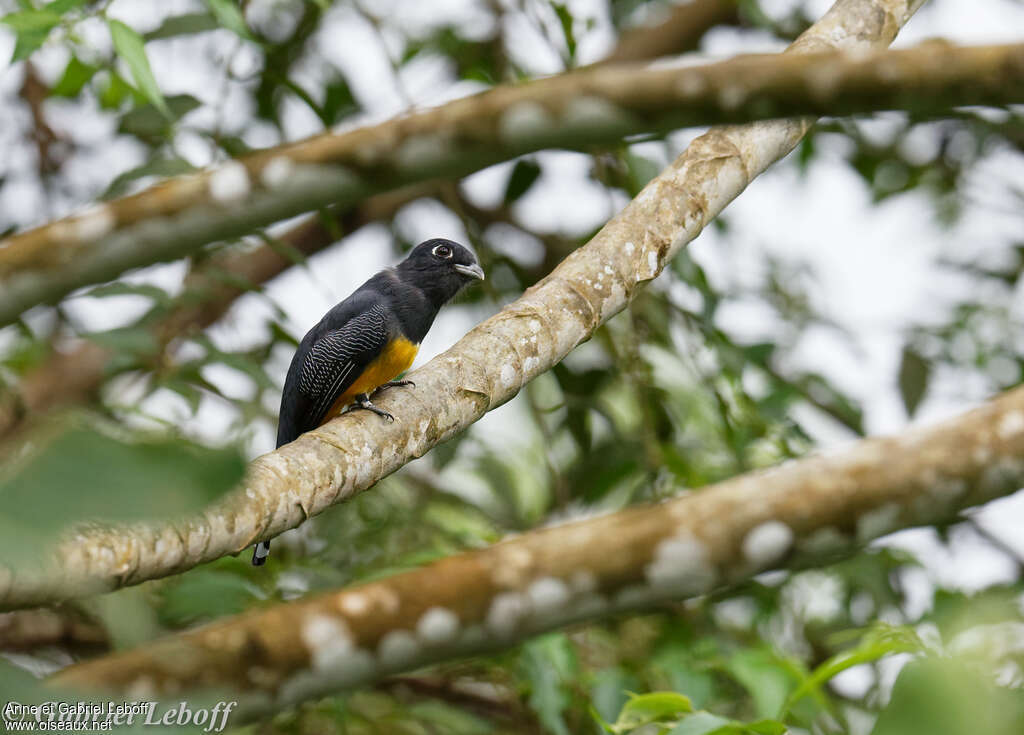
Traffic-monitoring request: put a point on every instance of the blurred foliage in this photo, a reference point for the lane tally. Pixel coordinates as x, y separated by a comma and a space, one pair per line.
668, 395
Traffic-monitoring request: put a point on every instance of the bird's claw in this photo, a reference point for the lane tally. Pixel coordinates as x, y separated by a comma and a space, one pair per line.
362, 401
394, 384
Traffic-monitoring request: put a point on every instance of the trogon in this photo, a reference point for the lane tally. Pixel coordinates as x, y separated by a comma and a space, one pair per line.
368, 339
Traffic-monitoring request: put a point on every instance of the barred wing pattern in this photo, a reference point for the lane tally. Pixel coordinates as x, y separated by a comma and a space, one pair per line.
338, 358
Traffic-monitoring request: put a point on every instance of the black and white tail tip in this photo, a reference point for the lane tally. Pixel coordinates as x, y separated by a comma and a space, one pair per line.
260, 553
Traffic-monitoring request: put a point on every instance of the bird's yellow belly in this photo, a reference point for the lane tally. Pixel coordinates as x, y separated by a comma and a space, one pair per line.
393, 361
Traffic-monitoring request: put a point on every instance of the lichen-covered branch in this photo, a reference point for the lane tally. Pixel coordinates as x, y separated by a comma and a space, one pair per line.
589, 107
25, 630
209, 290
483, 370
803, 512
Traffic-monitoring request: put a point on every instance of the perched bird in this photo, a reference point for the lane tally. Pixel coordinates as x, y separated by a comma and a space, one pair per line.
368, 339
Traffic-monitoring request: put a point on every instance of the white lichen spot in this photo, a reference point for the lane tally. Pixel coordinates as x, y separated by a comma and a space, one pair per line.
652, 263
691, 83
530, 363
424, 425
629, 248
766, 543
534, 325
437, 625
328, 641
525, 120
94, 223
608, 270
732, 96
508, 375
547, 595
823, 79
592, 112
1011, 425
397, 649
142, 689
277, 172
681, 564
229, 183
421, 151
353, 603
505, 612
878, 522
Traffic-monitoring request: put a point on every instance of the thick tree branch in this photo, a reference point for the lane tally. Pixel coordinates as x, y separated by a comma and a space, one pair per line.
483, 370
802, 512
589, 107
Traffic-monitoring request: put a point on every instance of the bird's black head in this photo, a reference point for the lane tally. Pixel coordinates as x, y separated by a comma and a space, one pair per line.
440, 268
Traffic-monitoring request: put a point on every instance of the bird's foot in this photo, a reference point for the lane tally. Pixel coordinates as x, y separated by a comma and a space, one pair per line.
394, 384
363, 401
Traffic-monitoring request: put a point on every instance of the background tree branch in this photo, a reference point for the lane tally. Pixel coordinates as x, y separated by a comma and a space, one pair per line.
802, 513
483, 370
589, 107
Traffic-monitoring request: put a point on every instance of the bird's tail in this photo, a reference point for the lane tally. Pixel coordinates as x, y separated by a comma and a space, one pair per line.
260, 553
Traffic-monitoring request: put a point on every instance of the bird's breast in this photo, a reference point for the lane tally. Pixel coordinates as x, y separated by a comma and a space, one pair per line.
393, 360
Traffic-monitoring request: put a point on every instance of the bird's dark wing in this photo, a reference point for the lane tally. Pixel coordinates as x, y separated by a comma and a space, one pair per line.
336, 360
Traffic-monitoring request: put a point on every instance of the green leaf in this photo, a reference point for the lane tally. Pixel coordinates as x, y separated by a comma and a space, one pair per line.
116, 90
31, 20
63, 6
644, 709
161, 167
765, 676
947, 697
877, 643
550, 666
76, 75
914, 374
205, 594
230, 16
31, 28
339, 102
566, 20
83, 475
134, 341
183, 25
131, 47
641, 170
702, 723
153, 125
523, 176
608, 694
122, 288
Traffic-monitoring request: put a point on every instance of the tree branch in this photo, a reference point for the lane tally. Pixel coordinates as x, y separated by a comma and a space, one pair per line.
681, 31
589, 107
483, 370
802, 512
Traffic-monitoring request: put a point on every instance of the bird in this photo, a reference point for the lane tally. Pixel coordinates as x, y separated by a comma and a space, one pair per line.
369, 339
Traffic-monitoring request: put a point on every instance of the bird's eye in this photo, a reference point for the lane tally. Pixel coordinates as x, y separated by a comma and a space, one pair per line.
442, 251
